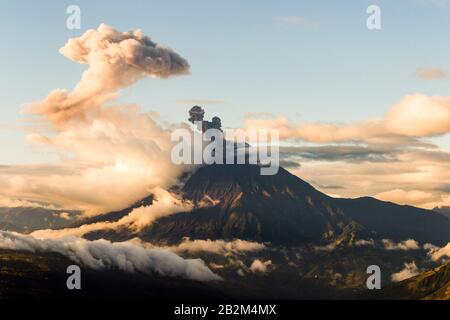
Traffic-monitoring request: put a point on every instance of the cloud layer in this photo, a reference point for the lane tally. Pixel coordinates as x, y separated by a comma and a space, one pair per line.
414, 116
101, 254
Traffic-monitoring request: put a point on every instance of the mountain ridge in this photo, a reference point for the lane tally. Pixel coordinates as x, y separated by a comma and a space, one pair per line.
235, 201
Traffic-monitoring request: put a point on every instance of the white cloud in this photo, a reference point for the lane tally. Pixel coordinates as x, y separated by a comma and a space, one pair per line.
411, 197
111, 155
414, 116
217, 246
410, 270
260, 266
437, 253
363, 242
405, 245
164, 204
101, 254
327, 248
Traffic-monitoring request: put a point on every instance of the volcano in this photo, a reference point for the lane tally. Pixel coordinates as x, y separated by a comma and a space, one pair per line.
236, 202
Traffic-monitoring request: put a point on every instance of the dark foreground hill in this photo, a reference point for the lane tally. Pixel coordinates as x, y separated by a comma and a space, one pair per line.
42, 275
433, 284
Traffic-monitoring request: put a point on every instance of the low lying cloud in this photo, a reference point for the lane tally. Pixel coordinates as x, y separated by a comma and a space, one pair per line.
260, 266
410, 270
299, 21
405, 245
101, 254
326, 248
361, 174
111, 155
164, 204
437, 253
217, 246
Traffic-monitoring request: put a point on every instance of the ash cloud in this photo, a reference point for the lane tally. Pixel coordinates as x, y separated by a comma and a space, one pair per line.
111, 155
116, 60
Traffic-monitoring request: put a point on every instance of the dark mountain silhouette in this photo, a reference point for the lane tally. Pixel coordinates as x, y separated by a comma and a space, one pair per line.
397, 222
235, 201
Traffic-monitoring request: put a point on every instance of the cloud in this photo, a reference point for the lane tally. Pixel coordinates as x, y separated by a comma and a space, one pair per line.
411, 197
405, 245
217, 246
116, 60
21, 203
299, 21
437, 253
65, 216
327, 248
109, 163
102, 254
425, 170
260, 266
363, 242
410, 270
164, 204
111, 155
424, 73
414, 116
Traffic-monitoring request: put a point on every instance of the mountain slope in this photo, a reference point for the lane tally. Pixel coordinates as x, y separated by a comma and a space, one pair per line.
397, 222
27, 219
235, 201
445, 211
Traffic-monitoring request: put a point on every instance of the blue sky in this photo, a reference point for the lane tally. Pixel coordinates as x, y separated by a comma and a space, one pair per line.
244, 53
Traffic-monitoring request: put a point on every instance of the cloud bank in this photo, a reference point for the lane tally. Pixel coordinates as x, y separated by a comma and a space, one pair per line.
414, 116
101, 254
260, 266
217, 246
437, 253
164, 204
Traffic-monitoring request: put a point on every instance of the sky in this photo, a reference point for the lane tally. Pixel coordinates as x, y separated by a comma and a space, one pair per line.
300, 61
